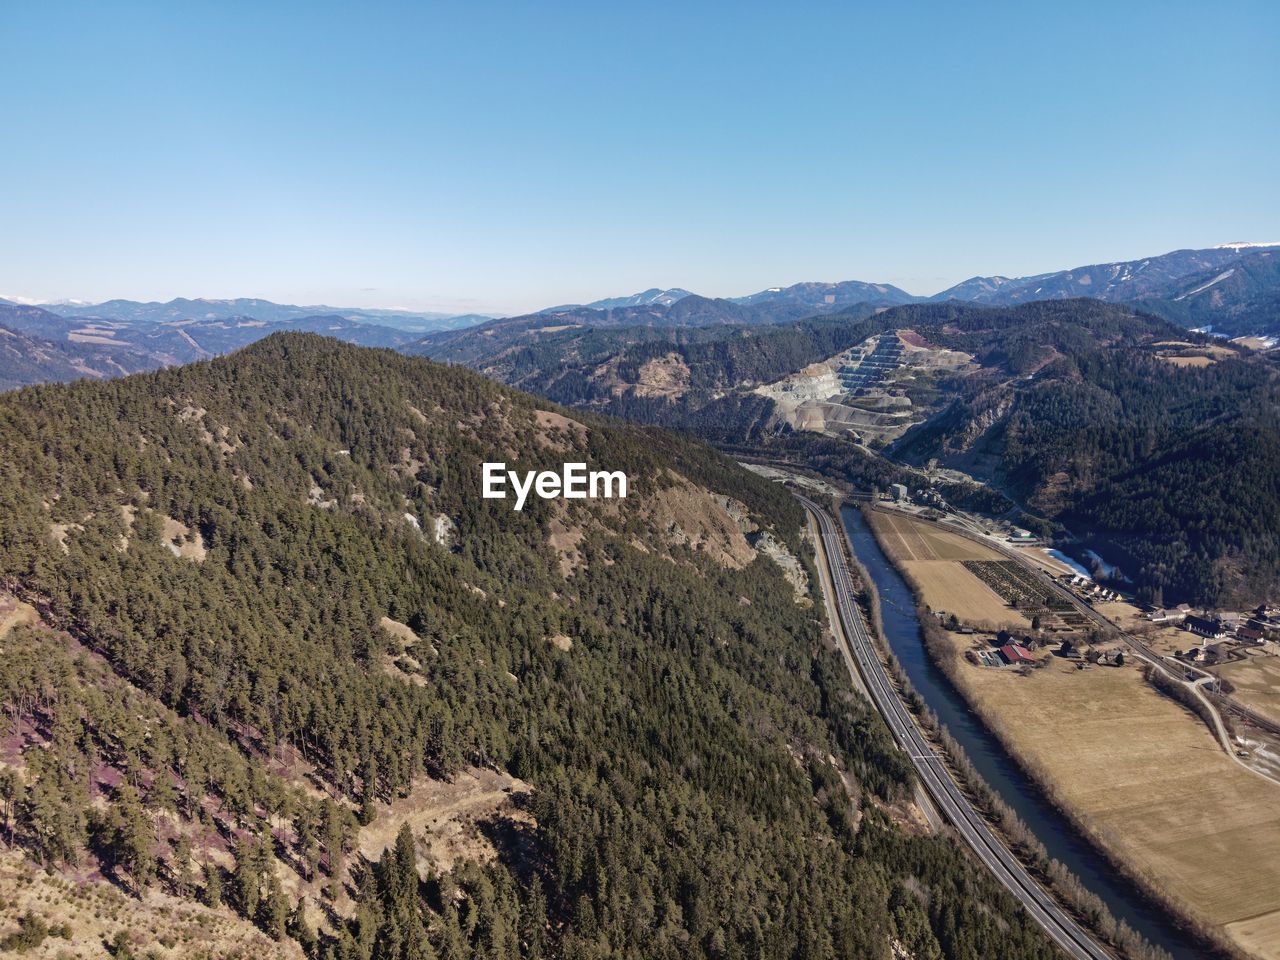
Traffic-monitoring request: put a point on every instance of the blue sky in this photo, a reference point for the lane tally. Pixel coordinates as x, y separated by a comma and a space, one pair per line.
507, 156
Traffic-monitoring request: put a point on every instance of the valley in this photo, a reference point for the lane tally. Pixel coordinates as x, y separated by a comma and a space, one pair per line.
639, 482
316, 508
1137, 772
586, 709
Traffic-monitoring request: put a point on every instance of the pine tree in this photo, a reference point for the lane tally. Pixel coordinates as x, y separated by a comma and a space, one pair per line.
246, 878
10, 788
273, 909
212, 894
300, 928
182, 877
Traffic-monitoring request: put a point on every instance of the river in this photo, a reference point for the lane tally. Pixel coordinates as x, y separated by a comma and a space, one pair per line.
1060, 838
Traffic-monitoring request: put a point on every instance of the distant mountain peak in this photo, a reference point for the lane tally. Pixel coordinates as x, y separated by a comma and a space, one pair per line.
1244, 246
653, 297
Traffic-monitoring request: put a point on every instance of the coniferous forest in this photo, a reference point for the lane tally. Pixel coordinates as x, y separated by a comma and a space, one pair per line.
1154, 444
209, 706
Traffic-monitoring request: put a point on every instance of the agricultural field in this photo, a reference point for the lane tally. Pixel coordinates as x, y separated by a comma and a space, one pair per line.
1147, 779
948, 587
935, 560
907, 539
1016, 585
1256, 680
1037, 556
1126, 616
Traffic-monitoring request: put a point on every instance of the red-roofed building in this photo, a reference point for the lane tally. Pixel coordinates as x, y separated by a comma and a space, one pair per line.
1013, 653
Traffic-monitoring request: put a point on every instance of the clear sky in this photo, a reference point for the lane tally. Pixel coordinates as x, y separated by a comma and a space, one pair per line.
508, 156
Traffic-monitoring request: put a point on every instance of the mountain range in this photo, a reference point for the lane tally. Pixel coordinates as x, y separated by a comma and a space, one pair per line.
1231, 290
183, 309
1118, 282
47, 346
1078, 411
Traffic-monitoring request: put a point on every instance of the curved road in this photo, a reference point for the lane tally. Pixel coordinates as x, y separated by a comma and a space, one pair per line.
933, 772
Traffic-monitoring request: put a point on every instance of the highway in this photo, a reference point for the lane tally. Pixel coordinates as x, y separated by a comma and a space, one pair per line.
932, 770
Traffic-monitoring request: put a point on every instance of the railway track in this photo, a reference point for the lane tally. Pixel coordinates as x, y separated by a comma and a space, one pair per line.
933, 772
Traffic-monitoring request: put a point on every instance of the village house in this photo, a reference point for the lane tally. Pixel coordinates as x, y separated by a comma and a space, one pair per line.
1213, 653
1014, 654
1263, 625
1249, 635
1205, 627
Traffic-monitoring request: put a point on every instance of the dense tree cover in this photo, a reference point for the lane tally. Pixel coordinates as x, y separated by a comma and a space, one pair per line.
681, 753
1171, 471
595, 367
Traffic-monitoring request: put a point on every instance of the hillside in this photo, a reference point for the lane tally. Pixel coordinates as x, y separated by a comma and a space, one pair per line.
280, 658
57, 347
472, 346
1241, 300
1117, 282
1079, 410
1232, 289
1151, 444
25, 359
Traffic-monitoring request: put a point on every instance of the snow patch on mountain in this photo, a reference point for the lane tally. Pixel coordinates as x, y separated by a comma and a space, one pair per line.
1205, 286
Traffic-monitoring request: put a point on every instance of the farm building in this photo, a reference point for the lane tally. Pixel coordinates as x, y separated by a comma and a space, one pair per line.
1015, 654
1167, 616
1263, 626
1206, 627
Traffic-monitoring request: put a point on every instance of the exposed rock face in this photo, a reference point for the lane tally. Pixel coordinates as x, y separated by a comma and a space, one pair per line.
692, 516
444, 531
773, 548
766, 544
830, 397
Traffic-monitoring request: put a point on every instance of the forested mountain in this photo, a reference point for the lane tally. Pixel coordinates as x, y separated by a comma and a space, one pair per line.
111, 347
597, 363
1157, 446
821, 297
653, 295
1233, 289
1084, 412
25, 359
1119, 282
274, 631
1241, 300
813, 296
472, 345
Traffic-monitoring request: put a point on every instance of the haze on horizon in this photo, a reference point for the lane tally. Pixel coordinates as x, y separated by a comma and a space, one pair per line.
499, 159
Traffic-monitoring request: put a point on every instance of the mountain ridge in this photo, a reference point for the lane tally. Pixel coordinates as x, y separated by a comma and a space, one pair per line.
278, 662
